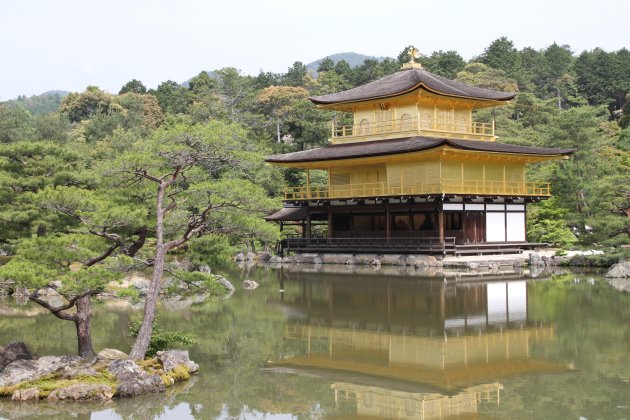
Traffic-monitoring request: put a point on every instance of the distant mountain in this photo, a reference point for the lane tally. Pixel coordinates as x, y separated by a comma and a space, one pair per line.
62, 93
41, 104
352, 58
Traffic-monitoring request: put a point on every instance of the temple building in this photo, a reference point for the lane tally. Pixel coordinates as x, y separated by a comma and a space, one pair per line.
413, 173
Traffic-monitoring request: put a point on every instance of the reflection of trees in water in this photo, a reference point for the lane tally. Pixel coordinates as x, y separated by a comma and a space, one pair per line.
592, 334
44, 334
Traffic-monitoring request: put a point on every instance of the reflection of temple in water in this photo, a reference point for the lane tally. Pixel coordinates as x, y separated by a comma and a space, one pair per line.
454, 340
382, 402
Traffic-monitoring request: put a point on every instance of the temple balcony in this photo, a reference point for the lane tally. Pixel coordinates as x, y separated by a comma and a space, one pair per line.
393, 189
411, 127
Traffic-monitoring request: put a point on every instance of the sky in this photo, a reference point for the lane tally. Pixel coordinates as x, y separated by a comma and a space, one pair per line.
70, 44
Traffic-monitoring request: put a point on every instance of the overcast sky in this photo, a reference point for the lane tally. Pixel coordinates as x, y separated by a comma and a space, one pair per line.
69, 44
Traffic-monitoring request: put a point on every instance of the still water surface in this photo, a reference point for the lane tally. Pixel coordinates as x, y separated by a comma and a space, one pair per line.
351, 345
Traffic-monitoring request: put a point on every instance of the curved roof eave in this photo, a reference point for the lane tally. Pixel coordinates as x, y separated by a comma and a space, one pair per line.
419, 86
409, 145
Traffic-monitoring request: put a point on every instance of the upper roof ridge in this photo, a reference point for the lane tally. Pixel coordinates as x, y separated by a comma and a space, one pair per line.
407, 80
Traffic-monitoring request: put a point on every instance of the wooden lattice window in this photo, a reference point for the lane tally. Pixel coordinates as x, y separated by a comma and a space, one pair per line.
426, 121
405, 122
364, 127
460, 126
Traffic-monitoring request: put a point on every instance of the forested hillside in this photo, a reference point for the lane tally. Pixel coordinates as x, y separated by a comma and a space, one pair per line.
44, 103
63, 171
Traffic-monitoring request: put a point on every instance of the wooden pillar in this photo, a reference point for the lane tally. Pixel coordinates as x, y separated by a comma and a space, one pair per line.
441, 225
308, 183
388, 222
308, 222
330, 222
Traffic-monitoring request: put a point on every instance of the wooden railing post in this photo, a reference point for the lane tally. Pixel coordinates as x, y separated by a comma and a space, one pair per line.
330, 223
441, 226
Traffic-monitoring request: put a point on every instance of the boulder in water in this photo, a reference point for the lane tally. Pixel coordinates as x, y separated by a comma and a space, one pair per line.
250, 285
133, 380
619, 270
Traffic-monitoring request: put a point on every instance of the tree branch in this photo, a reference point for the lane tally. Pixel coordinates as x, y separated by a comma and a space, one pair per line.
58, 310
90, 262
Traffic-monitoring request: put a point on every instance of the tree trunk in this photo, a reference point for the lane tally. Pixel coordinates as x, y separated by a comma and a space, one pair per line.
82, 323
278, 129
41, 230
141, 345
139, 243
143, 339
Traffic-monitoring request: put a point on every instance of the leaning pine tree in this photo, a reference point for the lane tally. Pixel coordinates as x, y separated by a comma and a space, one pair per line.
180, 183
202, 182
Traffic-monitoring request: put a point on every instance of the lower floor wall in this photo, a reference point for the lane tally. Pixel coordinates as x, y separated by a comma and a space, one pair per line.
465, 222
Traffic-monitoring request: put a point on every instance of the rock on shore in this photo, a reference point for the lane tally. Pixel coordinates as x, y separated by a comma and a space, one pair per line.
16, 350
72, 378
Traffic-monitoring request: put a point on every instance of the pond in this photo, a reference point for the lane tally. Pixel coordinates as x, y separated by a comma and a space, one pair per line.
309, 344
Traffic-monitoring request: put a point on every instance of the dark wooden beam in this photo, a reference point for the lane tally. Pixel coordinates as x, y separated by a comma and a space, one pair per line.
388, 223
330, 222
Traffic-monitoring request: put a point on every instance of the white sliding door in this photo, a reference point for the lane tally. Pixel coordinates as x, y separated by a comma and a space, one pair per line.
495, 226
516, 227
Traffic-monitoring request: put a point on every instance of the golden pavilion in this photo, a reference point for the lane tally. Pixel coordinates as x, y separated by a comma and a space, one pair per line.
414, 173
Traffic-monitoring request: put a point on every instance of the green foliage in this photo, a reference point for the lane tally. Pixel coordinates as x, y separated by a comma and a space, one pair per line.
604, 77
43, 104
162, 339
444, 63
173, 98
211, 250
63, 258
295, 75
14, 124
481, 75
624, 121
133, 86
186, 283
129, 293
502, 55
546, 222
27, 168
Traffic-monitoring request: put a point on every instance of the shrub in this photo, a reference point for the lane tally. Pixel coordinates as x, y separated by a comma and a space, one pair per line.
161, 339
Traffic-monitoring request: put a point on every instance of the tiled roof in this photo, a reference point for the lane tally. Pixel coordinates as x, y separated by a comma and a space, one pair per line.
407, 80
288, 214
407, 145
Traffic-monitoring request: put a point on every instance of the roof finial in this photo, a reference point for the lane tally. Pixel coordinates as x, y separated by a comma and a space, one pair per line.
413, 54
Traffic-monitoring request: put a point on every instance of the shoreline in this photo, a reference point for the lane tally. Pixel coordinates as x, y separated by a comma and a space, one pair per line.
539, 258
